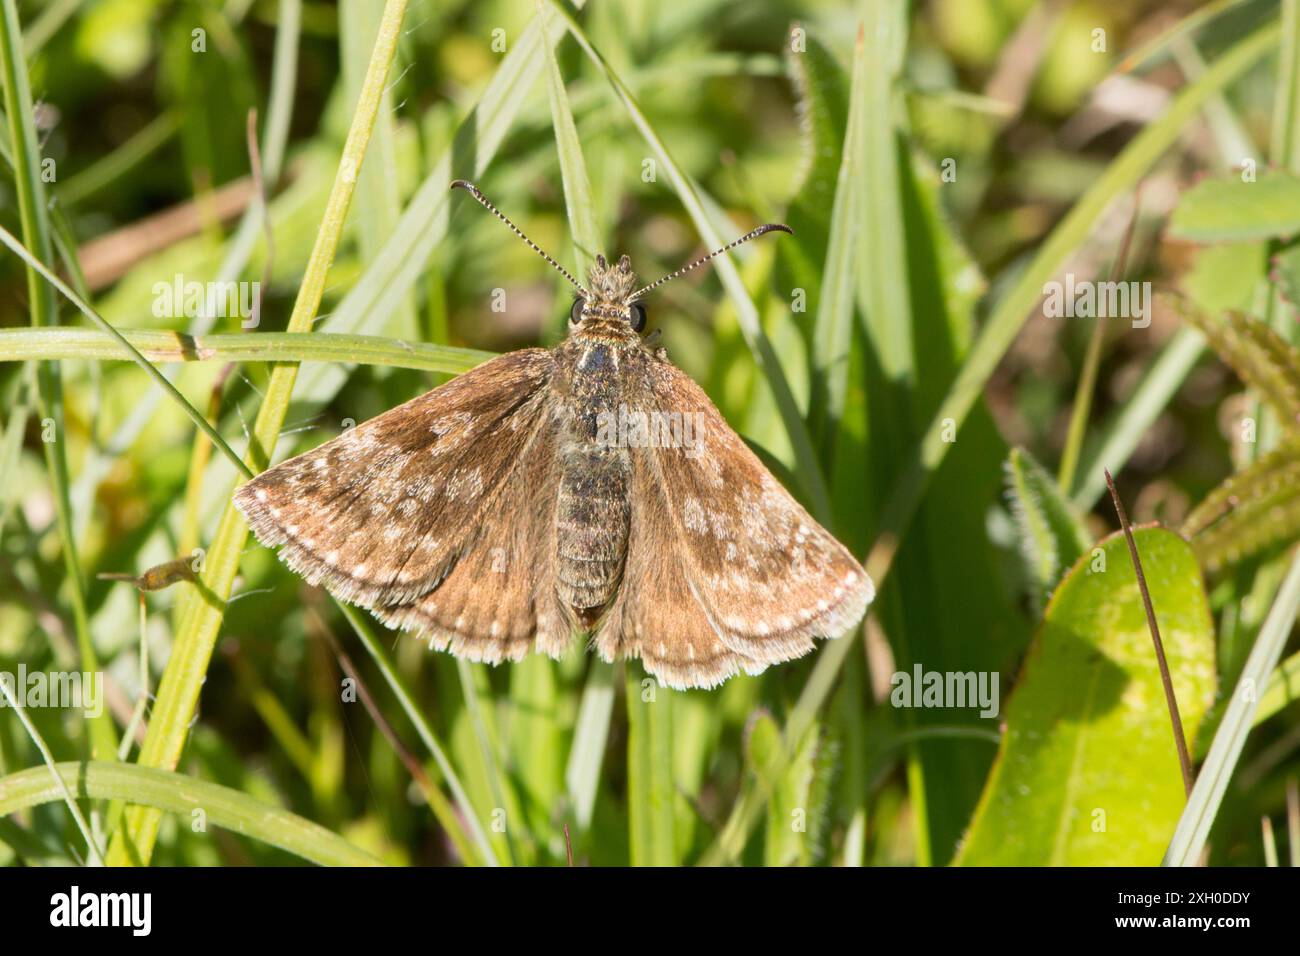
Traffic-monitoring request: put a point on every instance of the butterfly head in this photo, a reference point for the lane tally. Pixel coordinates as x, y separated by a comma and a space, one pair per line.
609, 306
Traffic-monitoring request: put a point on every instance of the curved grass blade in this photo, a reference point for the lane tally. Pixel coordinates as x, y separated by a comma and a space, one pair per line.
182, 795
183, 677
92, 846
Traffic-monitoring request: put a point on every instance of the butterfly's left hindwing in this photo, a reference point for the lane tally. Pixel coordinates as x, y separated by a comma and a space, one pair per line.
382, 514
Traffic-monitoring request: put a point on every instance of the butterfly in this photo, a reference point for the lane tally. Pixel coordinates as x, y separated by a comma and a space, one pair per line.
589, 489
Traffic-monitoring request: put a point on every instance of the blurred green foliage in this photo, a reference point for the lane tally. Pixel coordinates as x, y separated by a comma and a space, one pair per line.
920, 174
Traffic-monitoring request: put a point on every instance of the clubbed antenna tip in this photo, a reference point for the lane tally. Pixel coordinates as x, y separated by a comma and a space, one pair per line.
752, 234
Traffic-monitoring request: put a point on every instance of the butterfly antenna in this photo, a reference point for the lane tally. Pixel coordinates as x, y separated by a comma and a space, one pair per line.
761, 230
483, 201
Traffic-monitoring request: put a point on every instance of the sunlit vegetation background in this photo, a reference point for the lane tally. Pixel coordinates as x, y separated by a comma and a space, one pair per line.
971, 151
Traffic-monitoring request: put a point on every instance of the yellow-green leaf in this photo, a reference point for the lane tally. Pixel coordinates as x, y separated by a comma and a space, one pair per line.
1087, 772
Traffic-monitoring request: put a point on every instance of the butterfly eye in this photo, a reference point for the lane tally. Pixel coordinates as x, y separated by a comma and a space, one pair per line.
575, 313
637, 316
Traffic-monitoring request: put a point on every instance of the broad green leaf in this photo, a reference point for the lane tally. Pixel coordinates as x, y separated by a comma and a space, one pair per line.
1224, 276
1052, 535
1230, 210
1087, 773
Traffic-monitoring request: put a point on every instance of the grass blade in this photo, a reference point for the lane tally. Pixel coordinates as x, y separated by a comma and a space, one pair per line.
183, 678
651, 794
63, 342
184, 796
833, 327
1230, 738
808, 469
587, 752
1143, 407
578, 202
33, 215
92, 847
1011, 313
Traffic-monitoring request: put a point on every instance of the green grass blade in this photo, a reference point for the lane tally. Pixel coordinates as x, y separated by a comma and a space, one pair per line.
535, 748
92, 846
34, 217
503, 798
1229, 740
184, 796
651, 794
64, 342
833, 326
378, 204
587, 752
808, 468
578, 202
183, 678
1121, 436
11, 446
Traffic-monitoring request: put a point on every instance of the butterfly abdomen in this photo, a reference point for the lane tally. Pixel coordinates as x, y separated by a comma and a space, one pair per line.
592, 520
593, 511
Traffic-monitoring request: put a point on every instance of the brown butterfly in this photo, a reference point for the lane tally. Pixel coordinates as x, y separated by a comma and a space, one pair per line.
590, 488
